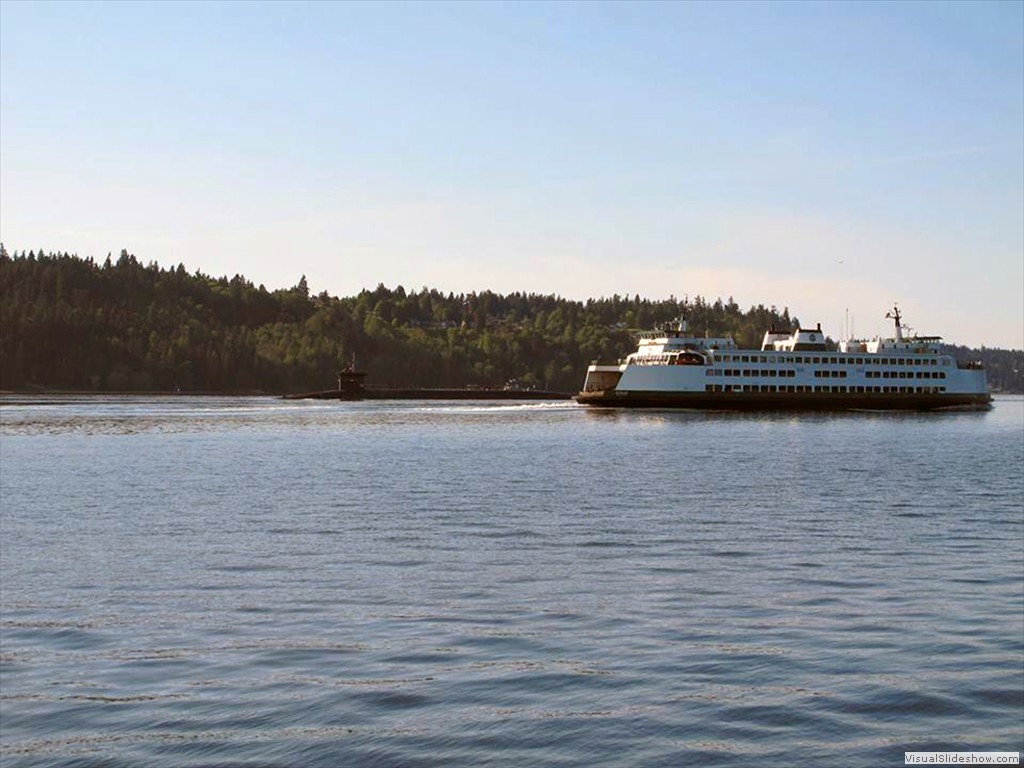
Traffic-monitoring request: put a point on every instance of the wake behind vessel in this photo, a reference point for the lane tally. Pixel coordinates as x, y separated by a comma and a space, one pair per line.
794, 369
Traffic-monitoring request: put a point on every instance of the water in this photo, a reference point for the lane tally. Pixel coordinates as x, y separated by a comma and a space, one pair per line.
254, 582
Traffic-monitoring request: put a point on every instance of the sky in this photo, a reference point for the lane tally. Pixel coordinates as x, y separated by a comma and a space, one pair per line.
833, 158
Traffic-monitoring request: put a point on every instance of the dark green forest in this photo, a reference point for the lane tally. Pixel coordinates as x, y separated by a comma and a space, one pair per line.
70, 323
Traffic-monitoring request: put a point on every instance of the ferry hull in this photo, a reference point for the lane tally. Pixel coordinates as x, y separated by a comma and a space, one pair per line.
769, 401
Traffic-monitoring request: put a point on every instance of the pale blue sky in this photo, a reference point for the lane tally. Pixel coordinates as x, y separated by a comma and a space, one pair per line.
821, 156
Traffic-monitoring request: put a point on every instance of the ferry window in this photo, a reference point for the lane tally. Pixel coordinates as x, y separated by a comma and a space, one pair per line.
773, 373
745, 359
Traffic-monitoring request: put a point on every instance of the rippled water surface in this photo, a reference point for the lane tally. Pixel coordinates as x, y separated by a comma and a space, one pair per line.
231, 581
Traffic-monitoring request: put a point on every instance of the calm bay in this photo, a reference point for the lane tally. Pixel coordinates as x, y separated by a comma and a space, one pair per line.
206, 581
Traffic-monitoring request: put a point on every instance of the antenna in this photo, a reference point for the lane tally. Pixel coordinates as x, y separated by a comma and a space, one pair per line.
895, 316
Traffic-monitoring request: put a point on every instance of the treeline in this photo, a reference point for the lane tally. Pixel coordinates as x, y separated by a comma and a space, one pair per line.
73, 323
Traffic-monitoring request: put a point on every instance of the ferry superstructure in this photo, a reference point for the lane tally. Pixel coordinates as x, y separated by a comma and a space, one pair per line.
794, 369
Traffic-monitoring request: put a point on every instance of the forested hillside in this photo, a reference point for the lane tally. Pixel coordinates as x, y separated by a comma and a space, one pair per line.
72, 323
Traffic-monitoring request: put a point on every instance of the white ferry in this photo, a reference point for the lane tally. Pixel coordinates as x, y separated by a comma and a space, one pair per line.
792, 370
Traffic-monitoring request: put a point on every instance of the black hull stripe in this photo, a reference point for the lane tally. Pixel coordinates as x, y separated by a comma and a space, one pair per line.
818, 401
